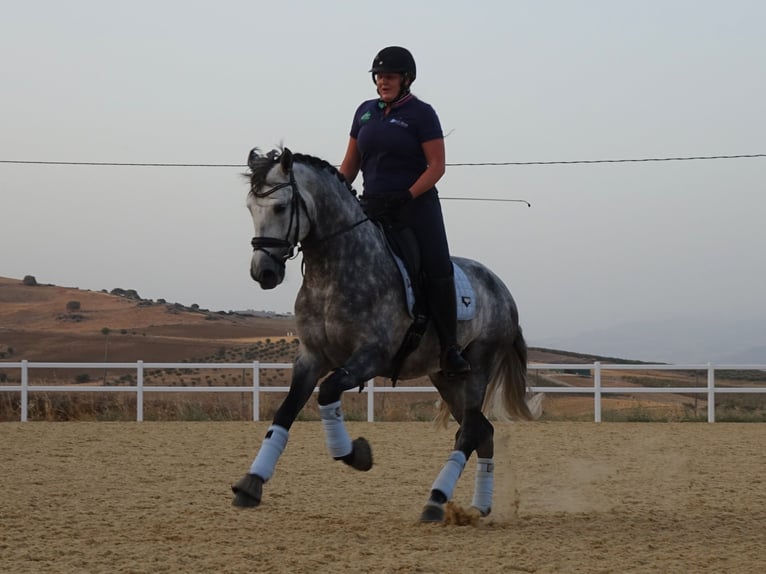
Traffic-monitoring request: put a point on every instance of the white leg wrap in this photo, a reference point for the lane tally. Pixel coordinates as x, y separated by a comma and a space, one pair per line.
484, 485
449, 474
271, 448
335, 433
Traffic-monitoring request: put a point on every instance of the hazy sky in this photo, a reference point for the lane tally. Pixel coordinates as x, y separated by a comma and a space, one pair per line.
203, 82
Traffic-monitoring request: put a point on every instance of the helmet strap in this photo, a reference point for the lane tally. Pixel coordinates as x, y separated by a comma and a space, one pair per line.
403, 93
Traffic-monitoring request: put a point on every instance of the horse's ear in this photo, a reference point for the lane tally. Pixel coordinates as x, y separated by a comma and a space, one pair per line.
286, 161
252, 157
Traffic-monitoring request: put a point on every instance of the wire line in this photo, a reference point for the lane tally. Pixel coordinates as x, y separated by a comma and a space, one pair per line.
626, 160
120, 164
465, 164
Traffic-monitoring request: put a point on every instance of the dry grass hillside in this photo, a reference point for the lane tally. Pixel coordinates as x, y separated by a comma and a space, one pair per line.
49, 323
37, 323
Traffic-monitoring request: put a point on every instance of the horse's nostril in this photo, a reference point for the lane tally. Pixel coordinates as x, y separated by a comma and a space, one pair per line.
267, 279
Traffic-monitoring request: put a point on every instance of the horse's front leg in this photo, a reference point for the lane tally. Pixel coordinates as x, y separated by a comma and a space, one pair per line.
355, 372
248, 490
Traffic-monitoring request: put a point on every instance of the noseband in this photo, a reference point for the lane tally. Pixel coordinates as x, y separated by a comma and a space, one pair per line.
296, 202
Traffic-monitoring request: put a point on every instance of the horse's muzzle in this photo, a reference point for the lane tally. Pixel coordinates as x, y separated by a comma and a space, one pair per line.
265, 271
267, 278
268, 268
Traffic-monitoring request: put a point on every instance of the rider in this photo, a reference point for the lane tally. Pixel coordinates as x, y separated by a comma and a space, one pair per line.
397, 142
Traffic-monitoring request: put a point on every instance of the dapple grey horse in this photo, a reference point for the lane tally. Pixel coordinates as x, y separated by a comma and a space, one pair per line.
351, 318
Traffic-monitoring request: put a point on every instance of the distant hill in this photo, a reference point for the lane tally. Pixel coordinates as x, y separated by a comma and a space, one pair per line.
676, 340
67, 324
53, 323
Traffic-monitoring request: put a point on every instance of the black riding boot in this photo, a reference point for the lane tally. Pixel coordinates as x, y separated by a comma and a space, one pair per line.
440, 294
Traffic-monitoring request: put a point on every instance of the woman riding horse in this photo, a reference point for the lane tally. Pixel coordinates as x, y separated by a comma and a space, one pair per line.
351, 315
397, 142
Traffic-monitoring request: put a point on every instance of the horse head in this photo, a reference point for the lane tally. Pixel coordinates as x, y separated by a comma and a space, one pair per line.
290, 194
279, 215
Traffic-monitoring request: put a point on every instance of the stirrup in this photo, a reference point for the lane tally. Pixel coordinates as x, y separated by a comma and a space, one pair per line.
453, 363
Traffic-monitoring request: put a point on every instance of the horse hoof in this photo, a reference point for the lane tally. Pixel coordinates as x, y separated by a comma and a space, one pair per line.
432, 512
247, 491
361, 454
482, 512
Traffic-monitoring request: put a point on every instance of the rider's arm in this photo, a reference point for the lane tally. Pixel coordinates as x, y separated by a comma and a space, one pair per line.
352, 161
435, 157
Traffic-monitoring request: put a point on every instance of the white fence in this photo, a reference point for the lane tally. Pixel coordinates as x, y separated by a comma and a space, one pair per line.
596, 369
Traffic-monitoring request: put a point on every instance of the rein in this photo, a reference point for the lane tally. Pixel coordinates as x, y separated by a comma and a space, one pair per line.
296, 202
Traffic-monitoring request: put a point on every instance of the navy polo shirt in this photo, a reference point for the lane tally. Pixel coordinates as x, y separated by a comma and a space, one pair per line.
390, 145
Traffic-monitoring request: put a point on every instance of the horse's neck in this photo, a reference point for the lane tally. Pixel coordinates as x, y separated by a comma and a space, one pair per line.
351, 257
343, 247
362, 243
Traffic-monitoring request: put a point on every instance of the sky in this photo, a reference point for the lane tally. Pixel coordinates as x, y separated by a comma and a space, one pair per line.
607, 249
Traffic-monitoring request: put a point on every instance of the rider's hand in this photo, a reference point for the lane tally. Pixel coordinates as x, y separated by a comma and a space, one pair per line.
380, 206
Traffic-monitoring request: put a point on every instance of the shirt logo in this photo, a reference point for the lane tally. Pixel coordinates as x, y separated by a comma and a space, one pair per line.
365, 116
398, 122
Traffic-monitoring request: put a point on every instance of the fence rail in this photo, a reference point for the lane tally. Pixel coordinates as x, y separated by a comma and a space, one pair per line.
596, 369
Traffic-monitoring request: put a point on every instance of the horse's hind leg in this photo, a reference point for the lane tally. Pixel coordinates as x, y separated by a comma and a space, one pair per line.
464, 399
484, 478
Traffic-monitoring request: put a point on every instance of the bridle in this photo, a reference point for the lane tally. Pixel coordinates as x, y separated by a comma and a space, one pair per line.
296, 201
294, 228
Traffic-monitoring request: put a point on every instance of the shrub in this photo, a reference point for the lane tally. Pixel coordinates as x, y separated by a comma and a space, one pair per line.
73, 306
29, 280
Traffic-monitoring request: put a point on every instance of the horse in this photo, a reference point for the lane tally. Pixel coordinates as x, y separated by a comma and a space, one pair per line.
351, 318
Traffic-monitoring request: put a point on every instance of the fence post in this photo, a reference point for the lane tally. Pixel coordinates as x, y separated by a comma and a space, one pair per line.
597, 392
371, 401
256, 392
140, 391
24, 390
710, 393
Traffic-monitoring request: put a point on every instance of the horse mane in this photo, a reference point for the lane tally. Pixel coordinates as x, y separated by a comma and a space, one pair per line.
260, 165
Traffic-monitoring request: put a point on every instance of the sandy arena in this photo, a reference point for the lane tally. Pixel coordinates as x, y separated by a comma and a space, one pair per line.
570, 497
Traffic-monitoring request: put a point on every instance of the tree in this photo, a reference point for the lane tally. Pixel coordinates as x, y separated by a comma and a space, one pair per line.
29, 280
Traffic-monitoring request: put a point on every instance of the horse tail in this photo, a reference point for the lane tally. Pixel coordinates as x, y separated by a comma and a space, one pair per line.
506, 392
507, 388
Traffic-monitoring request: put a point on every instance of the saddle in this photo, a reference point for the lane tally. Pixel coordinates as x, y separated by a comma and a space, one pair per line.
405, 251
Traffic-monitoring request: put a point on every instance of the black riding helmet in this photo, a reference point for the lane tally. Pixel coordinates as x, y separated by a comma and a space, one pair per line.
396, 60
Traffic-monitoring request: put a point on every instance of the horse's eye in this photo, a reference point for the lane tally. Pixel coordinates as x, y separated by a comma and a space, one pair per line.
279, 209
